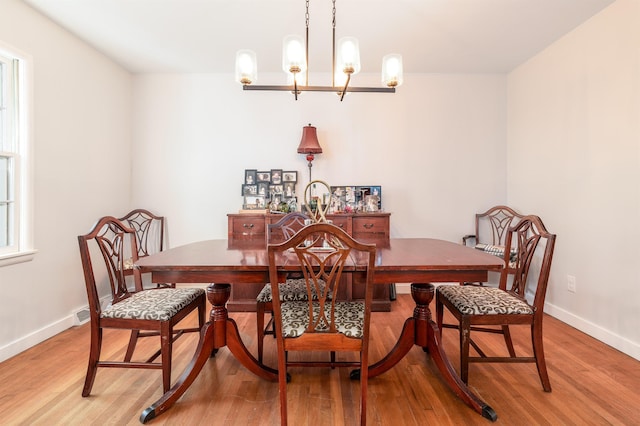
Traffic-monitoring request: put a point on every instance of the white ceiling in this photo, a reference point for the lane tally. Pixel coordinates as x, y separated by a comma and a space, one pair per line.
434, 36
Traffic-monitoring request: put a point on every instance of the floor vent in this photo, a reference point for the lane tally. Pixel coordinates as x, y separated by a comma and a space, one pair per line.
82, 316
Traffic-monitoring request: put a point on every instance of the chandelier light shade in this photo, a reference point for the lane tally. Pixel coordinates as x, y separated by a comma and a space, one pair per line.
295, 61
246, 66
348, 55
392, 70
293, 55
309, 145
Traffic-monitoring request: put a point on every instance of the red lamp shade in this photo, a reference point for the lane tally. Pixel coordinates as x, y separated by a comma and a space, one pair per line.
309, 143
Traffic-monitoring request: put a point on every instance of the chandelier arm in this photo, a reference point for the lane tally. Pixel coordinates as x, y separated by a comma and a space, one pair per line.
346, 85
290, 88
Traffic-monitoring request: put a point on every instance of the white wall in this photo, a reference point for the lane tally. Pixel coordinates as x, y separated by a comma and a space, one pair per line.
82, 140
437, 147
574, 159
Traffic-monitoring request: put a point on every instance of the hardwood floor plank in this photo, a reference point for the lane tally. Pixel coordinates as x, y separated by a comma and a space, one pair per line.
592, 383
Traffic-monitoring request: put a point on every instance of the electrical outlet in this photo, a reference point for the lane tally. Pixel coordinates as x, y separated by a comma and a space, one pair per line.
571, 283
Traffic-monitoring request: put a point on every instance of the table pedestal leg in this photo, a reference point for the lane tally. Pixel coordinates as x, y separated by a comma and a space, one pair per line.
421, 330
218, 332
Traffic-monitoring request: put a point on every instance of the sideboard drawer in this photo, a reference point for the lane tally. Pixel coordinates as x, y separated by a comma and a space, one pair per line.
343, 222
249, 227
371, 227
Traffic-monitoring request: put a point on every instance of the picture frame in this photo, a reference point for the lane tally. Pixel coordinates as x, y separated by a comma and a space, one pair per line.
249, 189
289, 189
273, 190
364, 194
250, 177
276, 190
263, 176
361, 198
263, 189
254, 202
290, 176
276, 176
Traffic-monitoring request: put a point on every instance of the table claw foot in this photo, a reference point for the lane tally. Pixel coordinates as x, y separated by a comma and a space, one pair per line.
488, 413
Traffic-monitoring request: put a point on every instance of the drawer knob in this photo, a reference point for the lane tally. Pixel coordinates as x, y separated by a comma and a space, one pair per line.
368, 225
248, 225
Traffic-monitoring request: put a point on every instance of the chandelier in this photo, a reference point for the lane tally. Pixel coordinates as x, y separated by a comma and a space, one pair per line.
295, 59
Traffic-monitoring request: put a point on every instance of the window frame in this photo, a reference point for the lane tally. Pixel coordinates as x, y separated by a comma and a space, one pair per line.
17, 115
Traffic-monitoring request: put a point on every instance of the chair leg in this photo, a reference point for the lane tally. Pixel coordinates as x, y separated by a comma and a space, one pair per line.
94, 357
538, 353
166, 345
260, 311
507, 340
282, 388
132, 345
364, 379
465, 339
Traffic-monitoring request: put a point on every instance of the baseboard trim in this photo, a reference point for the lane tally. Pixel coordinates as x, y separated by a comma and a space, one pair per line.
618, 342
38, 336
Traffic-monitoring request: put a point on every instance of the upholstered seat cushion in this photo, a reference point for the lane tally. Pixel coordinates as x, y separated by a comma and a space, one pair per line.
472, 300
293, 289
499, 251
156, 304
349, 318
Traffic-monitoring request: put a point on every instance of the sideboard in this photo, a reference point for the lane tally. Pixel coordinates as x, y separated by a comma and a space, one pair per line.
366, 227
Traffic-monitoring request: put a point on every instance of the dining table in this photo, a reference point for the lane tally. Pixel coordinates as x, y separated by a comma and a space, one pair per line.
223, 263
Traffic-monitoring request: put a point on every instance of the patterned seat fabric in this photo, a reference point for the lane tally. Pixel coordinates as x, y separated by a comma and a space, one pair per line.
349, 318
293, 290
156, 304
470, 300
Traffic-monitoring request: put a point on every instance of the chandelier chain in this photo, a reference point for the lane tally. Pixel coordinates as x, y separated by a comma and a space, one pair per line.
306, 14
333, 14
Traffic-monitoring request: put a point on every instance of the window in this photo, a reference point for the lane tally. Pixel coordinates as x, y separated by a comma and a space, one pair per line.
15, 235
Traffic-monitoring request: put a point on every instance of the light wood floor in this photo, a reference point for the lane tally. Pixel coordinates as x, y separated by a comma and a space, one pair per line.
593, 384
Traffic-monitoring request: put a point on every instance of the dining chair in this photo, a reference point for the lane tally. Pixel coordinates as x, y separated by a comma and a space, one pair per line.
150, 236
490, 233
293, 288
322, 252
152, 312
514, 302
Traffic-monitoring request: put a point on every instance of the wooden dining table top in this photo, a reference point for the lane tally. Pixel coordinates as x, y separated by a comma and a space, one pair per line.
396, 261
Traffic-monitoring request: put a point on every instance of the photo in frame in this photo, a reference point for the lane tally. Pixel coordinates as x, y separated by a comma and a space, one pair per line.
250, 176
263, 189
252, 202
263, 176
350, 198
290, 176
276, 176
249, 189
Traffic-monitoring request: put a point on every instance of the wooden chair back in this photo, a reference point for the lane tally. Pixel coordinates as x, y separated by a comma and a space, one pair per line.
117, 244
149, 229
530, 275
322, 253
284, 229
491, 226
